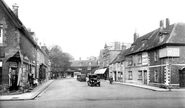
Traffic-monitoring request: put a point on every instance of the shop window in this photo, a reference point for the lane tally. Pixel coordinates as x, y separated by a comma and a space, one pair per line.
1, 33
140, 75
130, 75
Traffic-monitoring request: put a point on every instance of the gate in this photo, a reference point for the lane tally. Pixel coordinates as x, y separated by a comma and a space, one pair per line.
182, 78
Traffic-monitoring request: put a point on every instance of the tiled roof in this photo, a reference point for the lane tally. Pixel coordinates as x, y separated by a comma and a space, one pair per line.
84, 63
174, 34
121, 56
178, 34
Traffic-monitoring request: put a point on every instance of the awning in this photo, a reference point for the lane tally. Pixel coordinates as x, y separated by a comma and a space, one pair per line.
100, 71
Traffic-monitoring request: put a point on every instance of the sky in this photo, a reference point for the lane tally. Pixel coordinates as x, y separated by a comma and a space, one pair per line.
82, 27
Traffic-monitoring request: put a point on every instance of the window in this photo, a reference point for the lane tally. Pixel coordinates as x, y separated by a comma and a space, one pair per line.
156, 55
139, 58
132, 47
161, 38
1, 33
143, 43
130, 61
90, 63
88, 68
140, 75
129, 75
156, 76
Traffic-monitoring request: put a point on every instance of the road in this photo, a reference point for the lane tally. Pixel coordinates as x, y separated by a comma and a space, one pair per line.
69, 93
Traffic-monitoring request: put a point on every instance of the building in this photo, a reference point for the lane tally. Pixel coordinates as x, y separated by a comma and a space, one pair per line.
109, 53
157, 58
82, 66
18, 49
117, 67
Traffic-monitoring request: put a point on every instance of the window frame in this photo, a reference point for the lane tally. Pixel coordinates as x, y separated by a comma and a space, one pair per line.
139, 59
161, 38
1, 34
156, 55
130, 75
140, 75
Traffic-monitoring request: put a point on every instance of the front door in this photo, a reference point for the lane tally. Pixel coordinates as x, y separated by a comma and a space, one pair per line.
145, 77
182, 78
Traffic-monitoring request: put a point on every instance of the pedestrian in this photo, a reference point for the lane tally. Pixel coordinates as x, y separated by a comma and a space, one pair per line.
30, 79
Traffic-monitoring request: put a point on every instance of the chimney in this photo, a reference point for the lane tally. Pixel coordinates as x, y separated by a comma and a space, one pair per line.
15, 9
123, 47
167, 22
136, 35
161, 26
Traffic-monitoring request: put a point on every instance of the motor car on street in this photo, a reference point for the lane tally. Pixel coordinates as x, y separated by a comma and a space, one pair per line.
93, 80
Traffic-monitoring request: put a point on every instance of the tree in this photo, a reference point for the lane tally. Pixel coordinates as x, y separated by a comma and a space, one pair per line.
60, 61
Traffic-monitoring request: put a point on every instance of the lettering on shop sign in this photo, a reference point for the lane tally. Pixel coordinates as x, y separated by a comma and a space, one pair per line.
169, 52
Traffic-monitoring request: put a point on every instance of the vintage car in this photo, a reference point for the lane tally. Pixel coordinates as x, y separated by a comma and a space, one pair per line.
93, 80
81, 77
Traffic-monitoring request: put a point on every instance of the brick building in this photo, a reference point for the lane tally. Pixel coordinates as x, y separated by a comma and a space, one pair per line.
157, 58
18, 50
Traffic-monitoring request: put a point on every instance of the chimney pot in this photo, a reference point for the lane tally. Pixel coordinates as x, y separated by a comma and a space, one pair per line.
161, 24
167, 22
15, 8
136, 35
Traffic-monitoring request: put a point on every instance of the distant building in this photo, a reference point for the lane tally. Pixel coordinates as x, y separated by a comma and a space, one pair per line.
82, 66
109, 53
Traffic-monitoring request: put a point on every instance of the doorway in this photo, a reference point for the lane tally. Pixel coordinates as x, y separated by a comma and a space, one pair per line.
182, 77
145, 76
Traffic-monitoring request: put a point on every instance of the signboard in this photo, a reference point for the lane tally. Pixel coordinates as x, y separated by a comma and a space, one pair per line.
144, 58
169, 52
1, 64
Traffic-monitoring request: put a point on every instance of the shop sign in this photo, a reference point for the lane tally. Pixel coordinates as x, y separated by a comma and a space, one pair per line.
13, 64
1, 64
144, 58
169, 52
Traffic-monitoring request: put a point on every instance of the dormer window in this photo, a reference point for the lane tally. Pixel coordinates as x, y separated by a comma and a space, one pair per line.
90, 63
143, 43
1, 33
132, 47
161, 38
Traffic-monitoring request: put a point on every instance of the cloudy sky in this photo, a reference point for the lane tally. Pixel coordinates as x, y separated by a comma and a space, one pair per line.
82, 27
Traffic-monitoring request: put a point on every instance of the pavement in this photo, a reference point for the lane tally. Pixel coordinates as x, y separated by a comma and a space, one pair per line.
151, 87
27, 96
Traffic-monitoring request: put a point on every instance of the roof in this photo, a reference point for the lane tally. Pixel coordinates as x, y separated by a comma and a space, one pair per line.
83, 63
121, 56
174, 34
